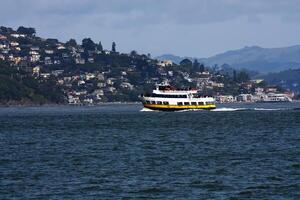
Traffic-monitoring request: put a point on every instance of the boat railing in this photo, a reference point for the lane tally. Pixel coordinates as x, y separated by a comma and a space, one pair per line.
174, 96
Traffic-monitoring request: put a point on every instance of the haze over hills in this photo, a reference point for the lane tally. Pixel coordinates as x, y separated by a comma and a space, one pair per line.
288, 79
174, 58
252, 58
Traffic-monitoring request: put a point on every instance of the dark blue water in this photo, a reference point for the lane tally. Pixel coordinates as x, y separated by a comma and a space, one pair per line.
118, 152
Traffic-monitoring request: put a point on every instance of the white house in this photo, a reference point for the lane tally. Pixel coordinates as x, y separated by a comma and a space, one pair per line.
14, 44
16, 35
127, 86
165, 63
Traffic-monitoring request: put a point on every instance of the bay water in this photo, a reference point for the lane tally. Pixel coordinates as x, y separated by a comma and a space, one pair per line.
122, 151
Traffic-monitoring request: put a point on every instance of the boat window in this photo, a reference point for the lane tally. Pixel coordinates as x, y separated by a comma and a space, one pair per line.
159, 102
147, 102
194, 103
179, 103
200, 103
152, 102
168, 96
186, 103
209, 103
166, 103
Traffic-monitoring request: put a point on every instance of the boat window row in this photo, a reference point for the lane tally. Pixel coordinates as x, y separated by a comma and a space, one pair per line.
166, 95
190, 103
180, 103
158, 102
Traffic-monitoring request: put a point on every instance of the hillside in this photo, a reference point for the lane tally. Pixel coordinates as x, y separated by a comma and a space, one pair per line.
37, 70
18, 88
173, 58
288, 79
254, 58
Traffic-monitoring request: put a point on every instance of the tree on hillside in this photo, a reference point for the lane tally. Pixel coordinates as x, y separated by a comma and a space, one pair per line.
88, 44
196, 65
201, 68
6, 30
242, 77
71, 43
26, 31
113, 47
100, 47
186, 62
234, 76
133, 53
52, 41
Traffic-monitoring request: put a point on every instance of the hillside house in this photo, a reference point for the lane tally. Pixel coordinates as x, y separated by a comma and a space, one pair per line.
36, 70
225, 99
2, 37
164, 63
90, 76
48, 61
126, 85
57, 72
49, 51
17, 35
244, 98
14, 44
79, 61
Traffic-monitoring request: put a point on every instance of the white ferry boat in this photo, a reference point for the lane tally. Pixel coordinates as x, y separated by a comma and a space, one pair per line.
274, 97
167, 98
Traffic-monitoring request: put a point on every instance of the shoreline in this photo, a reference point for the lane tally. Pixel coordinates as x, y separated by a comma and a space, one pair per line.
64, 105
117, 103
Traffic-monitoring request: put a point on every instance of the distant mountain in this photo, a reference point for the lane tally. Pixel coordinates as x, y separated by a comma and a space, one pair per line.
254, 58
173, 58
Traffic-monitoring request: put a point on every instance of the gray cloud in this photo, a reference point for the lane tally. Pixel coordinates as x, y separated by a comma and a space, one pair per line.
148, 25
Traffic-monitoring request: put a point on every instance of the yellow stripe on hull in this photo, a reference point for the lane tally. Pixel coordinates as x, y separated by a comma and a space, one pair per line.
179, 107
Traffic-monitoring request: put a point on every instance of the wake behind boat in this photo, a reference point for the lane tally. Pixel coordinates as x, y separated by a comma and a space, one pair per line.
166, 98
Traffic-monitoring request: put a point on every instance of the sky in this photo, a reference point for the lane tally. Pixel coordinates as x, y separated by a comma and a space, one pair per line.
197, 28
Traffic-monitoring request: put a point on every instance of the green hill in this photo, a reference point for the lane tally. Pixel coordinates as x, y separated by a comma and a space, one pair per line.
18, 88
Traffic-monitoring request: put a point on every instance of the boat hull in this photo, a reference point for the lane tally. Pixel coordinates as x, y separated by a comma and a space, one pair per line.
179, 107
273, 101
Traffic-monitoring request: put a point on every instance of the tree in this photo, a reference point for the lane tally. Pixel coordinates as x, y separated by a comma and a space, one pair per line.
242, 77
196, 64
26, 31
88, 44
234, 76
133, 53
113, 47
100, 47
6, 30
52, 41
71, 43
186, 62
201, 68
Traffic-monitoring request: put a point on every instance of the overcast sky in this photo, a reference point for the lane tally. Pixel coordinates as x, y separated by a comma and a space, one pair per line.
197, 28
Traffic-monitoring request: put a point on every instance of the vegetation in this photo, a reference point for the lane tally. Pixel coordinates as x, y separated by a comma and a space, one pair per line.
64, 68
288, 79
17, 87
26, 31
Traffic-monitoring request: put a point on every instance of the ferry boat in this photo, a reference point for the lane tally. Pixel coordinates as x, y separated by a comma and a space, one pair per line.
166, 98
275, 98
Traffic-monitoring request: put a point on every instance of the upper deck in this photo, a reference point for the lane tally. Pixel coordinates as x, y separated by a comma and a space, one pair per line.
169, 90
